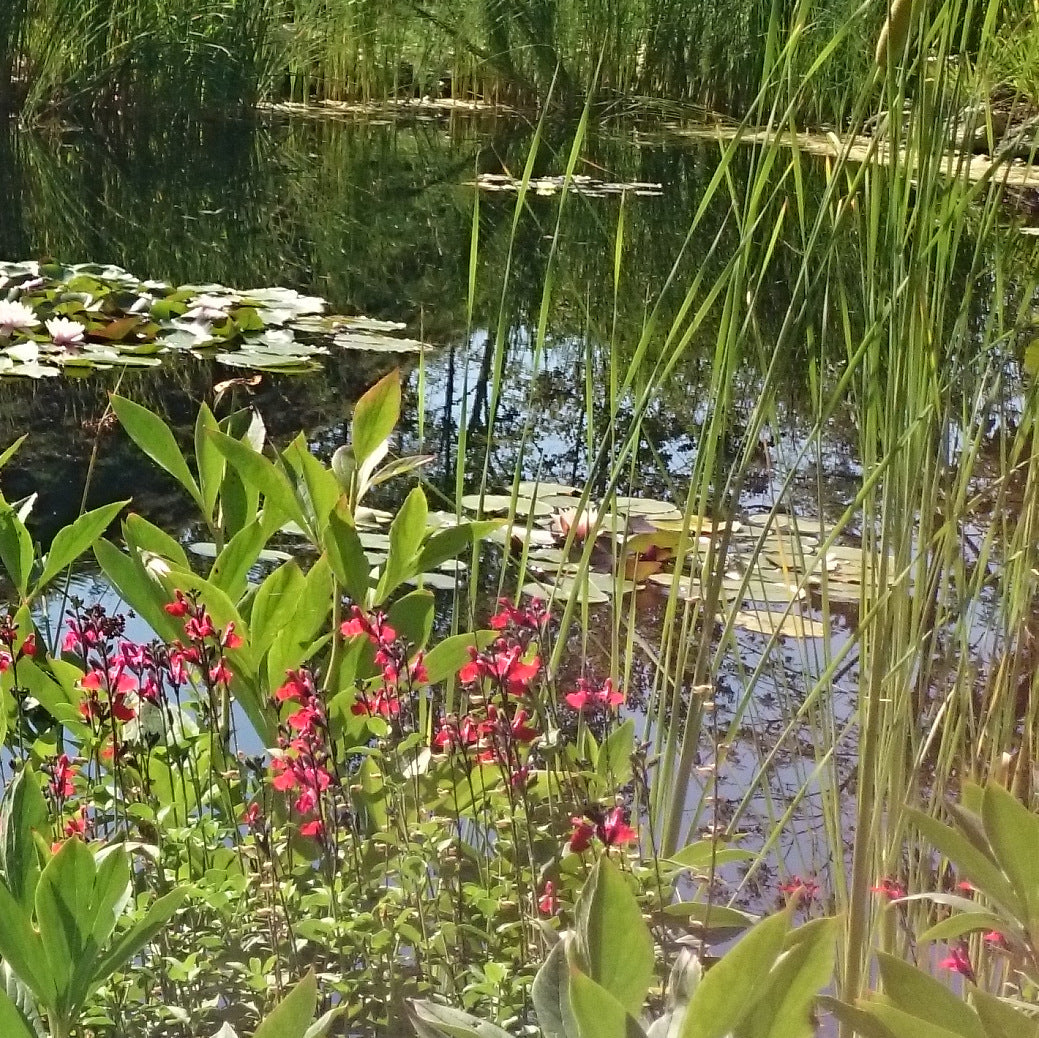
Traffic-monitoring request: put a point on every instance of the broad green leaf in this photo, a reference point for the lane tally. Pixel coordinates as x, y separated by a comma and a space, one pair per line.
22, 814
406, 533
613, 939
143, 536
704, 854
961, 923
597, 1013
732, 986
274, 604
13, 1023
346, 556
130, 943
919, 994
73, 540
230, 570
262, 474
551, 993
292, 1016
155, 439
375, 417
432, 1019
856, 1018
802, 971
450, 655
970, 862
59, 698
22, 948
412, 617
1001, 1019
614, 761
77, 906
1013, 832
208, 460
907, 1025
711, 917
16, 551
316, 487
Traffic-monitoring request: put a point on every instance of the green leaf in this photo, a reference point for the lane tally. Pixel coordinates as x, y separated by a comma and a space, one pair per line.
961, 923
346, 556
13, 1023
208, 460
856, 1018
597, 1013
153, 436
73, 540
906, 1025
804, 969
257, 471
406, 533
230, 570
704, 854
450, 655
613, 939
274, 604
971, 862
551, 993
21, 946
614, 761
412, 617
77, 907
138, 588
730, 988
437, 1021
130, 943
1001, 1019
143, 536
22, 813
375, 417
1013, 833
292, 1016
10, 452
16, 551
315, 486
919, 994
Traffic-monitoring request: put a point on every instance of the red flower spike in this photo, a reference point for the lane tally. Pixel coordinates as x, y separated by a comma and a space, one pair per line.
316, 828
889, 888
178, 608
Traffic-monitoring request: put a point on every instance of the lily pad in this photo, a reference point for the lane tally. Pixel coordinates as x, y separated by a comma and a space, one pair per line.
792, 625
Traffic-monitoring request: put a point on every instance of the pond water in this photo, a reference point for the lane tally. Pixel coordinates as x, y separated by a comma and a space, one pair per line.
378, 218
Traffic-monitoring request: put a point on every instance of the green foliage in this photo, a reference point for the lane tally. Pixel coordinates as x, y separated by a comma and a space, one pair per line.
595, 979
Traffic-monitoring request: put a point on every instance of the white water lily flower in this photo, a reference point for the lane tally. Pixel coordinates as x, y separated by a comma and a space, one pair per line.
14, 316
65, 332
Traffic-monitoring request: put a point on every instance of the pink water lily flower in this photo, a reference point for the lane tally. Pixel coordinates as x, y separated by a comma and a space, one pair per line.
65, 332
15, 316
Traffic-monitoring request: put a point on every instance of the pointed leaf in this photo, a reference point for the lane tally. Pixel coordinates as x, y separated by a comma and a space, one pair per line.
375, 417
13, 1023
730, 988
920, 994
73, 540
153, 436
406, 533
1013, 833
346, 557
551, 993
1001, 1019
21, 947
613, 939
291, 1017
16, 551
23, 813
452, 1023
597, 1013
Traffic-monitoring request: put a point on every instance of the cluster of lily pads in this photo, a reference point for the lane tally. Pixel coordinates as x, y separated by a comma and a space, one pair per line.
56, 318
775, 565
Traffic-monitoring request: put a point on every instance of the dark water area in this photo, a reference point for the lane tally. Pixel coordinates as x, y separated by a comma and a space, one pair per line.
378, 218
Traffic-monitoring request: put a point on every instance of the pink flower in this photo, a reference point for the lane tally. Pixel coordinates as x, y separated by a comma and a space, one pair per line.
588, 698
178, 608
315, 828
959, 962
614, 830
379, 632
252, 816
504, 666
548, 903
802, 889
889, 888
61, 778
581, 837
